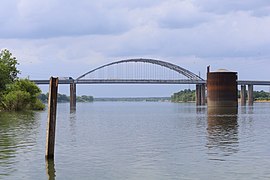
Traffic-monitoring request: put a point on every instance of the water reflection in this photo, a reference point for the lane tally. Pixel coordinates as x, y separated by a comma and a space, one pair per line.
222, 132
50, 169
17, 133
201, 110
72, 124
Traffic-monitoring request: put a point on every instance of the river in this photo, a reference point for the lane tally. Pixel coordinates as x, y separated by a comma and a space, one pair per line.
138, 140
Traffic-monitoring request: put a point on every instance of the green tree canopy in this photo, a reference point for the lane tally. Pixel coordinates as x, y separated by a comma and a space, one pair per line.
184, 96
16, 94
22, 94
8, 68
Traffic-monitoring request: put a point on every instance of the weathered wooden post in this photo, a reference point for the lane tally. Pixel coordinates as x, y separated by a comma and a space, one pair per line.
52, 105
50, 169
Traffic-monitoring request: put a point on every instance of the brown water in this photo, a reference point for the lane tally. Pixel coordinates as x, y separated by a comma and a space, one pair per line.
138, 140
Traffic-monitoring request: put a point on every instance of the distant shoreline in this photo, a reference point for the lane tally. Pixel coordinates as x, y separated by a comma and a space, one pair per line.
135, 99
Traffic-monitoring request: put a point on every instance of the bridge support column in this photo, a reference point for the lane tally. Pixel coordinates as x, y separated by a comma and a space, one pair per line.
250, 95
243, 95
198, 95
203, 97
73, 96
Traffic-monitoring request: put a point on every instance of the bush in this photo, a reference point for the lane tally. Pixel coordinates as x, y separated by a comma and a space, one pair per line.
186, 95
16, 100
38, 105
22, 95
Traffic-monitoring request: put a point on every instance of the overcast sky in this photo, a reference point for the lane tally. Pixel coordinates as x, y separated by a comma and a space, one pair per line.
69, 38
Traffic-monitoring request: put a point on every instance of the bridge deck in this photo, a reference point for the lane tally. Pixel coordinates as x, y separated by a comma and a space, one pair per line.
143, 81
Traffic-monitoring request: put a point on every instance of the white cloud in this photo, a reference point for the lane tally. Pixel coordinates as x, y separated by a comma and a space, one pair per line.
181, 14
71, 37
45, 19
227, 6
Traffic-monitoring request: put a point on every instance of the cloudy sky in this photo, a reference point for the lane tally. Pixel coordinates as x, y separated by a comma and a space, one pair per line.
69, 38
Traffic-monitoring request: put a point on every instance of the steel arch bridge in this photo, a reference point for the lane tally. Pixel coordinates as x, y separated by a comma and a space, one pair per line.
139, 71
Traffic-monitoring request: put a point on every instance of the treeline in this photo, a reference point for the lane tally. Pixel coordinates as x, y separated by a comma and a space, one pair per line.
261, 96
188, 95
64, 98
135, 99
258, 95
16, 94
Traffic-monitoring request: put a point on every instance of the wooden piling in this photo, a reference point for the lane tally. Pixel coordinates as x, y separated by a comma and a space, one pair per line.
50, 169
52, 105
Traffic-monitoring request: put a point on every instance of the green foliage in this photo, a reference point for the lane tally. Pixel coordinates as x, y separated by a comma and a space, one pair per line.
258, 95
22, 95
38, 105
8, 69
261, 95
16, 95
16, 100
62, 98
43, 97
65, 98
85, 98
186, 95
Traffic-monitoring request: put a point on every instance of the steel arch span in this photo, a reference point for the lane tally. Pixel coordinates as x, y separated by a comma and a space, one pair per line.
168, 65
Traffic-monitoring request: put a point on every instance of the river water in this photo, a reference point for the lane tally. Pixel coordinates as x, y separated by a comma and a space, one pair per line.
138, 140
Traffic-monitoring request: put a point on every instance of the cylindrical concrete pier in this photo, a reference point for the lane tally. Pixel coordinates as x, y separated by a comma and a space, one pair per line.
222, 88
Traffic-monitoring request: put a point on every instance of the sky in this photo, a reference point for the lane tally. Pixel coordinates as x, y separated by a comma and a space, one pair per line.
68, 38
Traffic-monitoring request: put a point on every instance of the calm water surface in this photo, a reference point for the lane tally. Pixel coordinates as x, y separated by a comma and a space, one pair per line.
138, 140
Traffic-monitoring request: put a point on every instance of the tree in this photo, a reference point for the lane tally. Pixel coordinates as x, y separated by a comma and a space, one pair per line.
16, 94
8, 69
184, 96
85, 98
22, 94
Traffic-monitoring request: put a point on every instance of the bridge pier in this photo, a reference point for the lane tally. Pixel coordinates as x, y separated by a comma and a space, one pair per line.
200, 94
73, 96
243, 95
250, 95
221, 89
203, 96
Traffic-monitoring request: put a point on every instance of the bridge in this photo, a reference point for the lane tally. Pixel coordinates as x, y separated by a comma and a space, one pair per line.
146, 71
149, 81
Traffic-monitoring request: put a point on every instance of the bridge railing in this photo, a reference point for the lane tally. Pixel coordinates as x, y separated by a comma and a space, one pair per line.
144, 81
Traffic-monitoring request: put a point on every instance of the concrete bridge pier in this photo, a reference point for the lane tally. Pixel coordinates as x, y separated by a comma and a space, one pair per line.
243, 95
200, 94
203, 96
73, 96
250, 95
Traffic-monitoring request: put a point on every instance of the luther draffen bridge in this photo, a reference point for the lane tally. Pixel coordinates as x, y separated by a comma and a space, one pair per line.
146, 71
